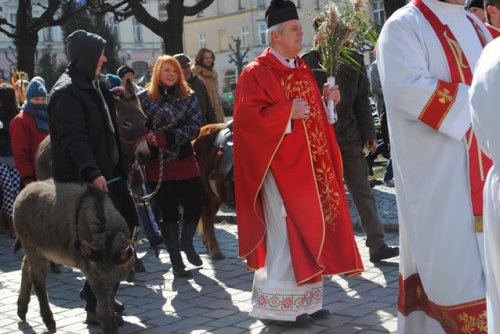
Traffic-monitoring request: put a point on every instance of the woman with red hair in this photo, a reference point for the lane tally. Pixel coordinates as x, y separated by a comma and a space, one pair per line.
174, 118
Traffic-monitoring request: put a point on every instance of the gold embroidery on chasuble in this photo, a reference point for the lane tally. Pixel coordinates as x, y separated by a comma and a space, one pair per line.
444, 96
457, 54
324, 173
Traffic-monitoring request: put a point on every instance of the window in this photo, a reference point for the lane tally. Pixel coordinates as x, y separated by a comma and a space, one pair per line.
244, 36
299, 4
220, 6
262, 3
137, 29
378, 13
113, 25
202, 41
229, 76
317, 4
223, 40
240, 5
46, 35
12, 20
262, 34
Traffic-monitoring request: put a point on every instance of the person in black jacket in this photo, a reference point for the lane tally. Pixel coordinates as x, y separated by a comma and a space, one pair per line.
83, 130
198, 85
354, 129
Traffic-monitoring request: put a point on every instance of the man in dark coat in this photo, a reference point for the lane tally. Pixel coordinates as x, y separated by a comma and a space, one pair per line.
199, 87
354, 129
85, 141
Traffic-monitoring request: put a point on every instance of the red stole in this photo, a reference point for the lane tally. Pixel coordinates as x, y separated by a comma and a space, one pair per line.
306, 165
440, 103
468, 317
494, 32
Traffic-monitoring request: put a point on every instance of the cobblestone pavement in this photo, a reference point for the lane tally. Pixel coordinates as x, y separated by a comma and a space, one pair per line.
215, 300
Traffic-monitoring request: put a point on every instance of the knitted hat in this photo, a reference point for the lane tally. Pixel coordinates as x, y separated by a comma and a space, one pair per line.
183, 59
122, 70
280, 11
474, 3
35, 89
112, 81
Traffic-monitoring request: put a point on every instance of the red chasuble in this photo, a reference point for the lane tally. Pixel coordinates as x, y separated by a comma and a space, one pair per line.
306, 165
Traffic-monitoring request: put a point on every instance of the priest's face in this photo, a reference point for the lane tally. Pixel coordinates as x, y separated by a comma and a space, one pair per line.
289, 43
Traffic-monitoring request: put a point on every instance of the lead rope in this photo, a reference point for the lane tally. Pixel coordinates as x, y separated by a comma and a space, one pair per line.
143, 201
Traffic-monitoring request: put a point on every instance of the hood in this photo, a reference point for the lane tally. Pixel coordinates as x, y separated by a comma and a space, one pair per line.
84, 50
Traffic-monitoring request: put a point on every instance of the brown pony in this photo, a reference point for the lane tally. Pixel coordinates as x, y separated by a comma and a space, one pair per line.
214, 153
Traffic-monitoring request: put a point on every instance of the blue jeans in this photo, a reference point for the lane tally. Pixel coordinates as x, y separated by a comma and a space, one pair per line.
388, 174
147, 218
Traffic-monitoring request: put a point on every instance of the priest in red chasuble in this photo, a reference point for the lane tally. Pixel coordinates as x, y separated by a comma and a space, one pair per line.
294, 225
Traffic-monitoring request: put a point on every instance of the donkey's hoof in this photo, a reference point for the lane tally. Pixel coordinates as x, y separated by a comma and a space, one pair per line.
51, 326
22, 315
218, 256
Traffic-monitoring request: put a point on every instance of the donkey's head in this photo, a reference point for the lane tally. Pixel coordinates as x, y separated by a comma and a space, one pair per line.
103, 238
131, 123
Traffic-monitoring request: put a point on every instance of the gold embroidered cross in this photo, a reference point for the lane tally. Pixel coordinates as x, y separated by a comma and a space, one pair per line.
444, 96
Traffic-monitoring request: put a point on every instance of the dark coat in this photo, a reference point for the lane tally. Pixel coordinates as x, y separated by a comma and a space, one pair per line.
207, 110
355, 123
84, 145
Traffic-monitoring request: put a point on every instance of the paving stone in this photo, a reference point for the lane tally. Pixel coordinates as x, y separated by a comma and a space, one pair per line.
216, 299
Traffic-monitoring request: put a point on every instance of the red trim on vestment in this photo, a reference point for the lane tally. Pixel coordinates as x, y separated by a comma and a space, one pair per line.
467, 318
439, 104
494, 32
460, 72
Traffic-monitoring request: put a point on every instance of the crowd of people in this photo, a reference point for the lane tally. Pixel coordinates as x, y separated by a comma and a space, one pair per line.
293, 218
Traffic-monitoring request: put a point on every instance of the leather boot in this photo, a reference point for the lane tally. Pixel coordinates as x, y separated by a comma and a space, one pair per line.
187, 235
170, 231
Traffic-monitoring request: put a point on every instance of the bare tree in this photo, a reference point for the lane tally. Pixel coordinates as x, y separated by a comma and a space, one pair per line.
24, 32
236, 57
171, 29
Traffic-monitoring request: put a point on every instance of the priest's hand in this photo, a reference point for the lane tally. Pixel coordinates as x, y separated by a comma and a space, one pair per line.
331, 93
300, 109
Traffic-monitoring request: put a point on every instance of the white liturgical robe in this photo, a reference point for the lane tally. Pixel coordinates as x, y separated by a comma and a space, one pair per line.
485, 121
442, 283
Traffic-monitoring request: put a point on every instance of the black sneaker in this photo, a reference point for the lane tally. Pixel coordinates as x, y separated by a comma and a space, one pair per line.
384, 252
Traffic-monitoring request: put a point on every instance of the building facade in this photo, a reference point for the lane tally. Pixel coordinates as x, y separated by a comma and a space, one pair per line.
214, 28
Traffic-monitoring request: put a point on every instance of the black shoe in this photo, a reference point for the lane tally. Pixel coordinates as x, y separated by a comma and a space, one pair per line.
321, 314
92, 319
181, 272
384, 252
302, 320
118, 306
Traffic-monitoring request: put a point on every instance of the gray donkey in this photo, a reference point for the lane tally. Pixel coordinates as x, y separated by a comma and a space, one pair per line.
76, 225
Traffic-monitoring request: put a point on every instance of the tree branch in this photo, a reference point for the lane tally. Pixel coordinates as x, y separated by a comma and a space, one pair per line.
193, 10
143, 17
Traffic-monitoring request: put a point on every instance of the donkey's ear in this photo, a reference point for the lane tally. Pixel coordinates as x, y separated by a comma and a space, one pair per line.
124, 256
90, 252
129, 88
